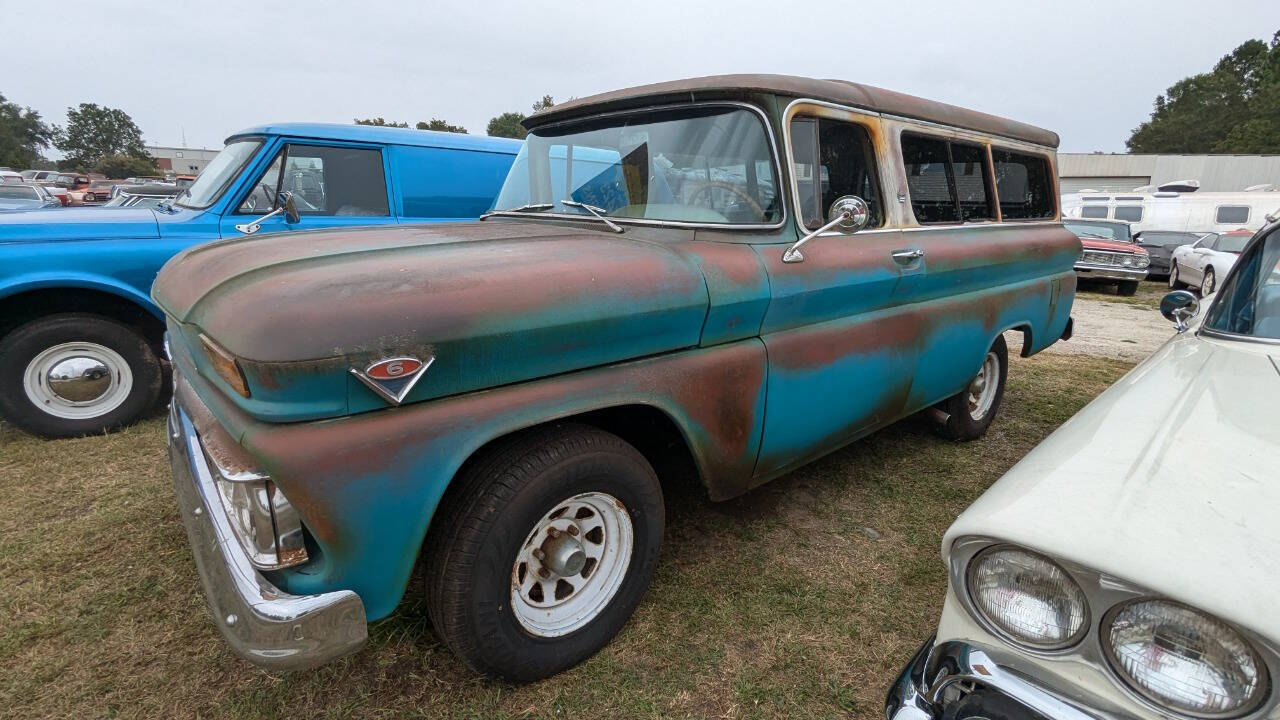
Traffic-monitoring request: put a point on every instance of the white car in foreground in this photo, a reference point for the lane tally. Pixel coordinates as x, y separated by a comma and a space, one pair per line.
1206, 261
1129, 566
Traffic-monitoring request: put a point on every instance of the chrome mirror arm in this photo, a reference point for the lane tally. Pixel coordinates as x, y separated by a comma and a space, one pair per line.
793, 255
250, 228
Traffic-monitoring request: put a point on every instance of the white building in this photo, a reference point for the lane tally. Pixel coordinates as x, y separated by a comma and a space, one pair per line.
1114, 172
181, 161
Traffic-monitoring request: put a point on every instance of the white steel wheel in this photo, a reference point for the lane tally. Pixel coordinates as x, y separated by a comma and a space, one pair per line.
77, 380
571, 564
983, 387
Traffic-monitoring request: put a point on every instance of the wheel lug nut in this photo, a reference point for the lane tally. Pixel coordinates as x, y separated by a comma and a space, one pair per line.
544, 573
537, 552
553, 533
573, 530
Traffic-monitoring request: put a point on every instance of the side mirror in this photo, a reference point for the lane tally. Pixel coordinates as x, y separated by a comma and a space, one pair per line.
1179, 307
285, 200
849, 213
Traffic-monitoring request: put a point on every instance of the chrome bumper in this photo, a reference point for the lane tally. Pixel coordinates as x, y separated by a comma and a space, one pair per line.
263, 624
918, 692
1110, 272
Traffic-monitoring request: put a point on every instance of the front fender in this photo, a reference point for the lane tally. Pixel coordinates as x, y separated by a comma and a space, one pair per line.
18, 284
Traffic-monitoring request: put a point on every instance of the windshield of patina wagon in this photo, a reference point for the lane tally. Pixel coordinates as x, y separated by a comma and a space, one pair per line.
699, 164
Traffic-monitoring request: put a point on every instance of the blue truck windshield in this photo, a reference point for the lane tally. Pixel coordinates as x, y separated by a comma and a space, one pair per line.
219, 173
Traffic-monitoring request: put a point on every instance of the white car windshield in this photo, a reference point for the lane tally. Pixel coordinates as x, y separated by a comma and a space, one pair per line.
219, 173
709, 164
1249, 302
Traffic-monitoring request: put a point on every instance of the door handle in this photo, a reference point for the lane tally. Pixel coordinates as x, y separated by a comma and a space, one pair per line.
908, 255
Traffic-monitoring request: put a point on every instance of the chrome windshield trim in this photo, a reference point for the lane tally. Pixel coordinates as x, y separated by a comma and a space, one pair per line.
1234, 337
773, 150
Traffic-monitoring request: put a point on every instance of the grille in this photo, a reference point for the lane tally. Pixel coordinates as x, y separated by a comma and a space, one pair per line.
1102, 258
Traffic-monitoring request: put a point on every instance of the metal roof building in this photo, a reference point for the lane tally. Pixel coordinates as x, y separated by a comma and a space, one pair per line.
1114, 172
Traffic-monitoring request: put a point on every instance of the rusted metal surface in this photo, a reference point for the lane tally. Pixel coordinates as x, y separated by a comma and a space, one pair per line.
866, 97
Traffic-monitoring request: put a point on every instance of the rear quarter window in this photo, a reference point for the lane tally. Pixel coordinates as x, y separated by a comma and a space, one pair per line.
1023, 185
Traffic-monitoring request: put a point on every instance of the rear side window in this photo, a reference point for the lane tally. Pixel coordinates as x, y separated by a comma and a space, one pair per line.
947, 181
1023, 185
1129, 213
441, 183
1233, 214
1093, 211
844, 160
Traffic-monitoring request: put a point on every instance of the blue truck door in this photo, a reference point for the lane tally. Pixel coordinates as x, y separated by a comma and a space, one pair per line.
839, 336
333, 185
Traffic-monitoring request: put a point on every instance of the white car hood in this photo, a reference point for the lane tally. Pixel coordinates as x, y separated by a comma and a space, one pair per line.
1170, 479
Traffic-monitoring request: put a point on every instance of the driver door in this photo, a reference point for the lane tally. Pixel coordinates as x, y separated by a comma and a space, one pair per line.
332, 186
1201, 254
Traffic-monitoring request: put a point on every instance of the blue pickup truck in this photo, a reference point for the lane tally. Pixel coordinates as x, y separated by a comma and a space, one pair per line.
80, 340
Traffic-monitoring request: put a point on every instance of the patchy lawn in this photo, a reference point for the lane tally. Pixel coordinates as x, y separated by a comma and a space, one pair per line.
1149, 293
802, 599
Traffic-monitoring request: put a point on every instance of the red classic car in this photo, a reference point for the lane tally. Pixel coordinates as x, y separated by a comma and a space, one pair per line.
1109, 254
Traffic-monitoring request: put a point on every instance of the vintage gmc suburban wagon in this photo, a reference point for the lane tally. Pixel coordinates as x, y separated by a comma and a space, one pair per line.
80, 341
724, 277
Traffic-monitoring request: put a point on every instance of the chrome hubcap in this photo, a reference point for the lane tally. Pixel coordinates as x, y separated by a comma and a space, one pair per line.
77, 380
982, 388
571, 564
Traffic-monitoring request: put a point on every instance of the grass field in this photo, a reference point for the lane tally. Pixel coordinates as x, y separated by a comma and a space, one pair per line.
1148, 296
802, 599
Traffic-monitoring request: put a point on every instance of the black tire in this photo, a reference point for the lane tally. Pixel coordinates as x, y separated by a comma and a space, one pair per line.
988, 705
960, 424
1174, 282
21, 346
1127, 288
482, 524
1209, 283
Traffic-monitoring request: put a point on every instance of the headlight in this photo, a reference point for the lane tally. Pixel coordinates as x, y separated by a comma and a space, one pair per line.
1143, 261
1127, 261
1028, 598
1183, 659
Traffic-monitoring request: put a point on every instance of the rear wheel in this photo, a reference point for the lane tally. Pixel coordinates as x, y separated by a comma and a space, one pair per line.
1210, 282
543, 551
971, 411
1127, 288
76, 374
1174, 282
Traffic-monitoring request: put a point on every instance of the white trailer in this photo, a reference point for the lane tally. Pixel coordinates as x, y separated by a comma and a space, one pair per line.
1177, 211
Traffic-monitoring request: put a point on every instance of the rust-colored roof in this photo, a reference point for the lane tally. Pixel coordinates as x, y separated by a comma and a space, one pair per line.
842, 92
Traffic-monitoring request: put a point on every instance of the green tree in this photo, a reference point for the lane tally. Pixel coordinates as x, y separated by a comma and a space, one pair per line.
440, 125
94, 131
22, 135
378, 121
508, 124
121, 166
1234, 108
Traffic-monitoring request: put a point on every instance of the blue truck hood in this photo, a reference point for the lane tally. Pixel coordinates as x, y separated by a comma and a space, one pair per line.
86, 223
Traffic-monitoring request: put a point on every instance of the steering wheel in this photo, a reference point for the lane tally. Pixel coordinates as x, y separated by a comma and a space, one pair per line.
251, 201
707, 187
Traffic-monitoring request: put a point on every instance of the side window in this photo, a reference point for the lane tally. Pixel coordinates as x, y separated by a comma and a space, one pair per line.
833, 159
1207, 242
1230, 214
325, 181
1093, 211
1023, 185
948, 181
1129, 213
443, 183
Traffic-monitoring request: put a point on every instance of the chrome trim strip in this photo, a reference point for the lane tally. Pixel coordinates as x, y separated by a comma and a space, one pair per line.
262, 624
773, 149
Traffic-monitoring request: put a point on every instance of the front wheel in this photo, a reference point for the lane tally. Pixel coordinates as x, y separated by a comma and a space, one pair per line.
1209, 284
971, 411
76, 374
1127, 288
1174, 282
541, 553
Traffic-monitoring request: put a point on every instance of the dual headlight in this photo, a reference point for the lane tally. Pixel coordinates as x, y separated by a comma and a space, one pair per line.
1177, 657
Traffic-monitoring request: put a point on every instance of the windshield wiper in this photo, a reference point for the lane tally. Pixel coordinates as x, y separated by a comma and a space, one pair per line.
599, 212
530, 207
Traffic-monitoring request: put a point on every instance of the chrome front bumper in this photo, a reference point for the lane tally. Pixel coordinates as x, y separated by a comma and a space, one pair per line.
1109, 272
919, 691
263, 624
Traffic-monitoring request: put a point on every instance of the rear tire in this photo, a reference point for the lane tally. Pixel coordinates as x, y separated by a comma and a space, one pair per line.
1174, 282
599, 494
76, 374
971, 411
1127, 288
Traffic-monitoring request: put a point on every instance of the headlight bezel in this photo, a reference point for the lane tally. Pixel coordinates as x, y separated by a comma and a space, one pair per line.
992, 626
1125, 680
1103, 592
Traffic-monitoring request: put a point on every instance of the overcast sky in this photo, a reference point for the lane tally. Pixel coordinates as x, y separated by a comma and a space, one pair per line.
1088, 70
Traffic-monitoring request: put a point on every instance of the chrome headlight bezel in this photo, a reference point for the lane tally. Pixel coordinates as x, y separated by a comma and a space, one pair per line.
983, 616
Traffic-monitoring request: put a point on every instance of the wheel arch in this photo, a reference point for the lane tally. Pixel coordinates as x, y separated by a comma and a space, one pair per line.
36, 297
